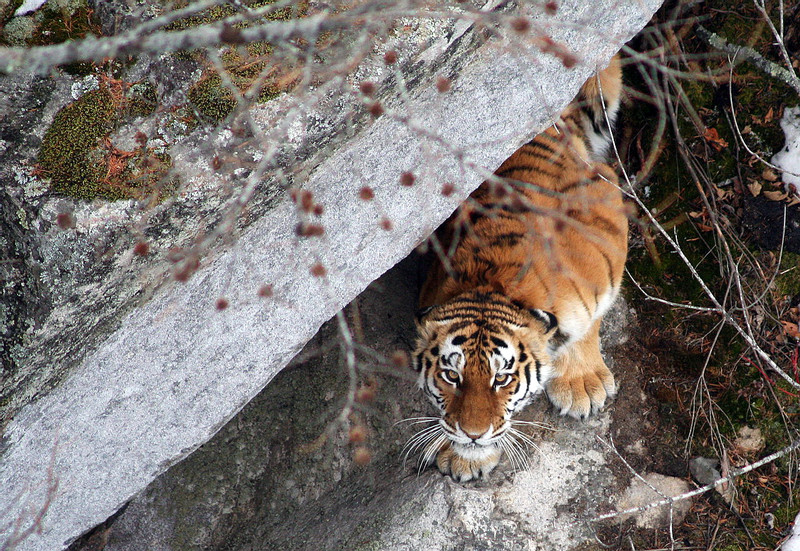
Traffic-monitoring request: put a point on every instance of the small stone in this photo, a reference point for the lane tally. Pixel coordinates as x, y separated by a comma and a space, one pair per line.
749, 440
640, 494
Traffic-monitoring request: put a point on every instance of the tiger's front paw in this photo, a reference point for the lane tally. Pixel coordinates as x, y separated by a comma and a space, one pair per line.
579, 394
452, 461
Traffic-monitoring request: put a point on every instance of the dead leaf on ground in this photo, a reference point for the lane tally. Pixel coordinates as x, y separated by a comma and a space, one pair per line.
712, 136
755, 188
791, 329
775, 195
769, 175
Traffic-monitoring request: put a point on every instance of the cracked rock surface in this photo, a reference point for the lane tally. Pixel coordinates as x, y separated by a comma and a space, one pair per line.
113, 372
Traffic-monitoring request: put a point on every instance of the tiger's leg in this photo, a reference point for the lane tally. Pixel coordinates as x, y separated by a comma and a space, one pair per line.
581, 381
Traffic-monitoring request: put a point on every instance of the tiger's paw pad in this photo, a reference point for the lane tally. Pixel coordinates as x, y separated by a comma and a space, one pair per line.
450, 462
582, 395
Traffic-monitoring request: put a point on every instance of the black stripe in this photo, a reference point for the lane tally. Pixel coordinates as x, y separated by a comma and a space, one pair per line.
578, 292
538, 371
539, 143
610, 267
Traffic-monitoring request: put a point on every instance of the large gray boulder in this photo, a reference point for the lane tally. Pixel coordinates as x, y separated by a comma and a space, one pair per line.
121, 372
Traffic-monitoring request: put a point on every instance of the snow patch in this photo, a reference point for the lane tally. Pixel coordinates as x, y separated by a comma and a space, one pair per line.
788, 158
793, 542
29, 6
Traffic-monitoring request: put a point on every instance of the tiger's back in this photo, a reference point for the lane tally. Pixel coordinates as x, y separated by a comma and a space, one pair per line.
546, 239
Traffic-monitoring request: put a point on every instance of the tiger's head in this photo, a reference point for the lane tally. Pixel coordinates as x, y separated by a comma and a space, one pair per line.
480, 358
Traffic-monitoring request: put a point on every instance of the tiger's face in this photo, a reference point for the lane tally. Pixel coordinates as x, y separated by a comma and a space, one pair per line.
480, 359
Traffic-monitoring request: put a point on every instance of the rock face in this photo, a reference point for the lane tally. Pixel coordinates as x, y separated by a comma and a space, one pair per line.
283, 474
118, 372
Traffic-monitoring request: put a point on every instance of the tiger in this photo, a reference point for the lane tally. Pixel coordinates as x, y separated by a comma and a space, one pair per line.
527, 267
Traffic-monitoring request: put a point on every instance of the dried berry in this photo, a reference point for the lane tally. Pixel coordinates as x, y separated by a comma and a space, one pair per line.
448, 189
521, 24
390, 57
443, 84
141, 248
367, 88
407, 179
309, 230
376, 109
265, 291
366, 193
306, 200
65, 220
221, 303
386, 224
400, 359
362, 456
357, 435
318, 270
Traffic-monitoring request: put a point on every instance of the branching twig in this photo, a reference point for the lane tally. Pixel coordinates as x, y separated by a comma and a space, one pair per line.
749, 54
688, 495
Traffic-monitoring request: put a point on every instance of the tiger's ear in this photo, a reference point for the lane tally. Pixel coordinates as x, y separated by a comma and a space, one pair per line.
419, 315
548, 319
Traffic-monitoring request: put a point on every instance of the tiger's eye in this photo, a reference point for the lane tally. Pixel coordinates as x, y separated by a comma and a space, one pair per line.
450, 375
500, 380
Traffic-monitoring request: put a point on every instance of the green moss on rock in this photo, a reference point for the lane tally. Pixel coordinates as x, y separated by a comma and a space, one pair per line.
65, 154
79, 160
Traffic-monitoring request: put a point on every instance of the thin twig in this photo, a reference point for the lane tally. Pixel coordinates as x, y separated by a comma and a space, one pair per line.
749, 54
735, 473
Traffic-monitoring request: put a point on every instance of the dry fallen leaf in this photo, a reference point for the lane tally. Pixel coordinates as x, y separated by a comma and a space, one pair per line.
755, 188
769, 175
712, 136
791, 329
775, 195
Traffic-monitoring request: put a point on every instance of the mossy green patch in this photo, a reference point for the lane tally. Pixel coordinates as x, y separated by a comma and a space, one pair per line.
66, 152
246, 67
79, 160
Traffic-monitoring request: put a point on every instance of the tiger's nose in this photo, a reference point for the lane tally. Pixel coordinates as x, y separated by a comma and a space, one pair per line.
474, 435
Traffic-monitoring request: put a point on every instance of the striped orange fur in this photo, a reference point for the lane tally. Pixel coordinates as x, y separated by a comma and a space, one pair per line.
533, 260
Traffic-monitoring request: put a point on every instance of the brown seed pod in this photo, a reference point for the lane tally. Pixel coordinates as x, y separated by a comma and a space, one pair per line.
367, 88
400, 359
65, 221
318, 270
366, 193
443, 84
365, 394
551, 8
318, 210
306, 200
265, 291
221, 303
362, 456
386, 224
407, 179
231, 35
569, 60
376, 109
448, 189
304, 229
521, 24
390, 57
357, 435
216, 163
141, 248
